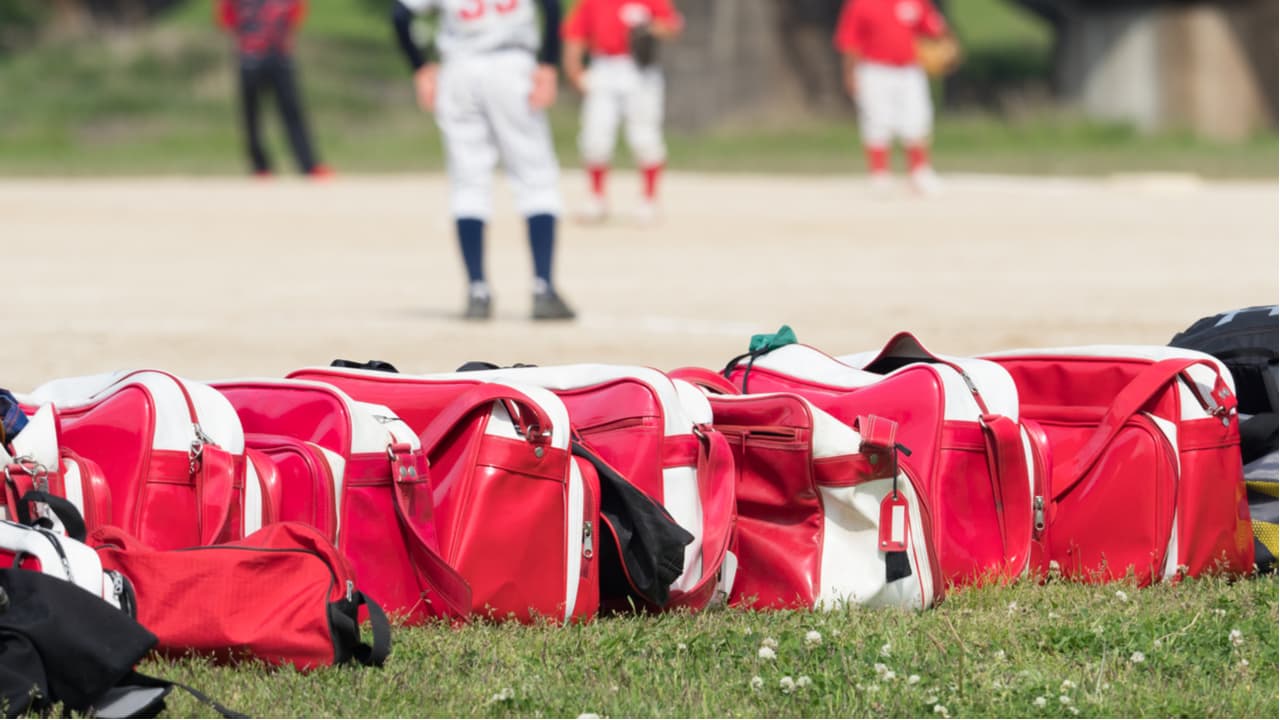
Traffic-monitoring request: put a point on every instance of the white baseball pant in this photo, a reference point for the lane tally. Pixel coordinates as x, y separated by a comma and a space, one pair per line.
482, 109
618, 89
893, 102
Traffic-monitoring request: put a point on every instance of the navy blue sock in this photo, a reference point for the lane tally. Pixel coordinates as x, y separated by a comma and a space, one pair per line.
471, 240
542, 242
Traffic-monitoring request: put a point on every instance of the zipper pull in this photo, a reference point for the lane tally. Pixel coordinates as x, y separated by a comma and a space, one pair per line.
587, 551
351, 591
1038, 504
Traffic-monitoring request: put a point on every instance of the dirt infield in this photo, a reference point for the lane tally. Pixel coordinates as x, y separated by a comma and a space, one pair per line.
223, 278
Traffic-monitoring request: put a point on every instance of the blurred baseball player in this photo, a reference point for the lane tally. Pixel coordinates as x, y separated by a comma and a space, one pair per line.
624, 82
264, 31
489, 91
883, 75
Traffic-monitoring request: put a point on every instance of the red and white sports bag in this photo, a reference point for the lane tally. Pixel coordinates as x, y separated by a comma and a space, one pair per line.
305, 480
819, 524
1139, 447
653, 431
382, 490
518, 515
172, 451
970, 465
66, 558
41, 464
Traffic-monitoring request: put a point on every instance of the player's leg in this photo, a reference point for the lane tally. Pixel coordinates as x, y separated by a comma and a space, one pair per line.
917, 127
251, 117
284, 81
598, 132
644, 110
471, 155
875, 108
524, 140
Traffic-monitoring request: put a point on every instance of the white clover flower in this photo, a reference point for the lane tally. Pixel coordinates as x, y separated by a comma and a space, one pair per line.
882, 670
787, 684
913, 680
873, 688
613, 688
1068, 685
996, 685
931, 699
1064, 699
1053, 615
835, 632
1137, 658
589, 716
1219, 612
769, 643
813, 638
1074, 710
766, 653
681, 647
1157, 644
1122, 596
941, 710
747, 632
1040, 702
804, 681
1244, 663
998, 655
886, 650
757, 682
504, 695
1105, 685
1012, 607
1236, 637
889, 676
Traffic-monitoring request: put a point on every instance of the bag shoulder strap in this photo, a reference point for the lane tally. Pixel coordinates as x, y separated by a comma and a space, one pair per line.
1145, 386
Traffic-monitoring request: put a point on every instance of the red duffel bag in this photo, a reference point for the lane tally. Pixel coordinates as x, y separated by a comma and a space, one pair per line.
284, 595
1140, 449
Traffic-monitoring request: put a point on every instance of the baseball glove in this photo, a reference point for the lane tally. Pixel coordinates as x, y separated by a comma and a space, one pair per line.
644, 45
938, 56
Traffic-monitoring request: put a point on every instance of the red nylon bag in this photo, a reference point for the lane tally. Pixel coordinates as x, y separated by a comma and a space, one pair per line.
284, 595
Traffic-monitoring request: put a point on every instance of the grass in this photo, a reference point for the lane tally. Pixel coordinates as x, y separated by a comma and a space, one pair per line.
162, 101
992, 652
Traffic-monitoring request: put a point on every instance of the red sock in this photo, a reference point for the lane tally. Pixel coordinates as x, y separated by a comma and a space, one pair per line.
651, 174
598, 174
878, 159
917, 157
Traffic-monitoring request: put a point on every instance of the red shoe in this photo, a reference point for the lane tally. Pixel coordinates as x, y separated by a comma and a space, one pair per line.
321, 172
262, 175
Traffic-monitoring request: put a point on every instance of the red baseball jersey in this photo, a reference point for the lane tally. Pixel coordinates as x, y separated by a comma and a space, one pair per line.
885, 31
605, 25
262, 26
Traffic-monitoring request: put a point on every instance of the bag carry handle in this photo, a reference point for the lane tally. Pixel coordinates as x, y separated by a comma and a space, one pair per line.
706, 380
1145, 386
433, 572
537, 433
214, 478
67, 513
376, 654
719, 506
1010, 486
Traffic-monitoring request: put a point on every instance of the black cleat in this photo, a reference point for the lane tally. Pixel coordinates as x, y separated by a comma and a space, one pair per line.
549, 306
479, 307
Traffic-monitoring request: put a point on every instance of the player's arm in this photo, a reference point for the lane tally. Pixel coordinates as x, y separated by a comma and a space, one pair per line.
667, 21
574, 33
549, 53
224, 13
847, 43
425, 68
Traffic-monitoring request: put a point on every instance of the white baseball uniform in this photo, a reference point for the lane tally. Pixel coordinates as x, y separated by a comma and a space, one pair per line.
617, 87
487, 50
